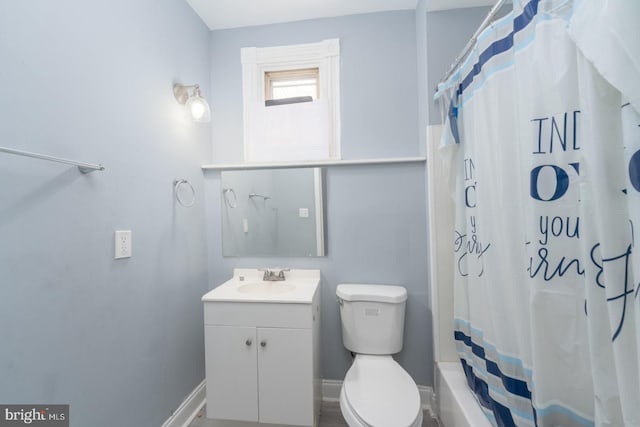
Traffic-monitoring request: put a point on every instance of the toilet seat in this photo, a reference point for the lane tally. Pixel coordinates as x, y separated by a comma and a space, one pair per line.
377, 392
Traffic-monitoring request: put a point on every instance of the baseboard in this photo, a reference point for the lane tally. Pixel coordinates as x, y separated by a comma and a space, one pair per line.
331, 390
427, 397
331, 393
188, 409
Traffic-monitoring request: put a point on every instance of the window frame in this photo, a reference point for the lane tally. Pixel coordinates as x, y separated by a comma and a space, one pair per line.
324, 55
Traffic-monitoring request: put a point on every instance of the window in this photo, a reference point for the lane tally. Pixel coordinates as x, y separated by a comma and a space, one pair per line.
291, 102
291, 86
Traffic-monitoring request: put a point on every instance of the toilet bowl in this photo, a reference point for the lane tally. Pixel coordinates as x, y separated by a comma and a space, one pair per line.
377, 392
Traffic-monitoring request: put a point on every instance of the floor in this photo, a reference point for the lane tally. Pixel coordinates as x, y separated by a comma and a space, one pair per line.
330, 416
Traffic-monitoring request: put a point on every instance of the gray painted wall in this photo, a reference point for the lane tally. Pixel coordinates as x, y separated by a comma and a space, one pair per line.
376, 215
424, 94
119, 340
448, 31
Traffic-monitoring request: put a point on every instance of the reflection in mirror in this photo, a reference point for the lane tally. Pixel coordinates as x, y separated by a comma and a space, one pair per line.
273, 212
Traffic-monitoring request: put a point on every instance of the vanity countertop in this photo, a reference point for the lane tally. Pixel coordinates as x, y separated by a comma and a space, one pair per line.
247, 285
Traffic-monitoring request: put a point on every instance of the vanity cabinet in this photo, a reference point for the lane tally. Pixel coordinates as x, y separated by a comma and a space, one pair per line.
262, 361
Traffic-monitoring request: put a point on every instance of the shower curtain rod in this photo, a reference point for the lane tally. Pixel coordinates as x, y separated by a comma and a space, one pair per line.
467, 48
84, 167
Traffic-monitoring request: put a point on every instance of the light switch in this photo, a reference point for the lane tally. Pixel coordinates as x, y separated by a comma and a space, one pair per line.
303, 213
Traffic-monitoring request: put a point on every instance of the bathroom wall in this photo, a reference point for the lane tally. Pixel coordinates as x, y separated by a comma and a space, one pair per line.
448, 31
424, 93
119, 340
376, 215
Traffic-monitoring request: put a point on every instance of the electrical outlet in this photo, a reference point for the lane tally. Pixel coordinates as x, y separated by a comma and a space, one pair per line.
123, 244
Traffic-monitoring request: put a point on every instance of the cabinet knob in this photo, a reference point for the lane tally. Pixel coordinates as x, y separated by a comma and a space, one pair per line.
263, 343
248, 342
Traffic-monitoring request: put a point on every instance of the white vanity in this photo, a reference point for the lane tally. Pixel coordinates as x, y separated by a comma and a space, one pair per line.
262, 352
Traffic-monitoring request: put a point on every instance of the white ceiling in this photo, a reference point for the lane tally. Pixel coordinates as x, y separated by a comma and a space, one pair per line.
219, 14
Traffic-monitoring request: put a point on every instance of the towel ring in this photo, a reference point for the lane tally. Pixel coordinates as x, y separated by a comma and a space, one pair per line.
176, 189
225, 193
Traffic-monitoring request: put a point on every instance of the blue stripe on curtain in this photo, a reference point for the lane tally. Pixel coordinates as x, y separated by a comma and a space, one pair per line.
504, 44
501, 413
516, 387
477, 334
512, 385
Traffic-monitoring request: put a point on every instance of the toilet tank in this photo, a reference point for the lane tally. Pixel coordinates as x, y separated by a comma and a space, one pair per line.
372, 317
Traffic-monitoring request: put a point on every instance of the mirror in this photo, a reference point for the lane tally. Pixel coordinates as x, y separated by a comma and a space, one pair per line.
273, 212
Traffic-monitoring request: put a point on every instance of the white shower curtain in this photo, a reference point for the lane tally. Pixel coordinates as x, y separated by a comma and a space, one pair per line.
543, 136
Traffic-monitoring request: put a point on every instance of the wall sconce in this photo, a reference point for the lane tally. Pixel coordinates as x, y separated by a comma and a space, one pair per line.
195, 104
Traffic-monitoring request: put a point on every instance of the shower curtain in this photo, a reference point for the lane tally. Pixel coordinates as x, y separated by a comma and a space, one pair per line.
542, 134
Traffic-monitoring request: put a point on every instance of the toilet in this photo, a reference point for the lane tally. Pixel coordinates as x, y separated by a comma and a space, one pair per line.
376, 391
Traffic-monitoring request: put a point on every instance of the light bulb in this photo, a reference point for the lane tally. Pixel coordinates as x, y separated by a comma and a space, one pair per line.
197, 109
195, 104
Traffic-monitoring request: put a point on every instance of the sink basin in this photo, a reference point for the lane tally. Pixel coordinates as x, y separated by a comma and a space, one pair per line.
266, 287
247, 285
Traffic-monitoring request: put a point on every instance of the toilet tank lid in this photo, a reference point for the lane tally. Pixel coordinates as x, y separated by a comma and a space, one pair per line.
373, 293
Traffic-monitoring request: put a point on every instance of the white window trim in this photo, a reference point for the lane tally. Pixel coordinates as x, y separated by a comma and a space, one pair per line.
325, 55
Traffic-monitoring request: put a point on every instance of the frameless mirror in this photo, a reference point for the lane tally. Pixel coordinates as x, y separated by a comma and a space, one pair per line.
273, 212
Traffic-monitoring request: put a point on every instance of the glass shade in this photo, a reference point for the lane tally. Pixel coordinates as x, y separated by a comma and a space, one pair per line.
198, 108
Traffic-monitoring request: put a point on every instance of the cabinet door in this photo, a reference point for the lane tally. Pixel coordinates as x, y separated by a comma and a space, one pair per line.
231, 368
285, 376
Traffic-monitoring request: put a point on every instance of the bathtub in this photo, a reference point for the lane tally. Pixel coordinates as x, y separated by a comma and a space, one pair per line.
457, 407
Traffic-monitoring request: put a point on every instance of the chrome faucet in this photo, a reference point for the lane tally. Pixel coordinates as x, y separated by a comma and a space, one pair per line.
272, 276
